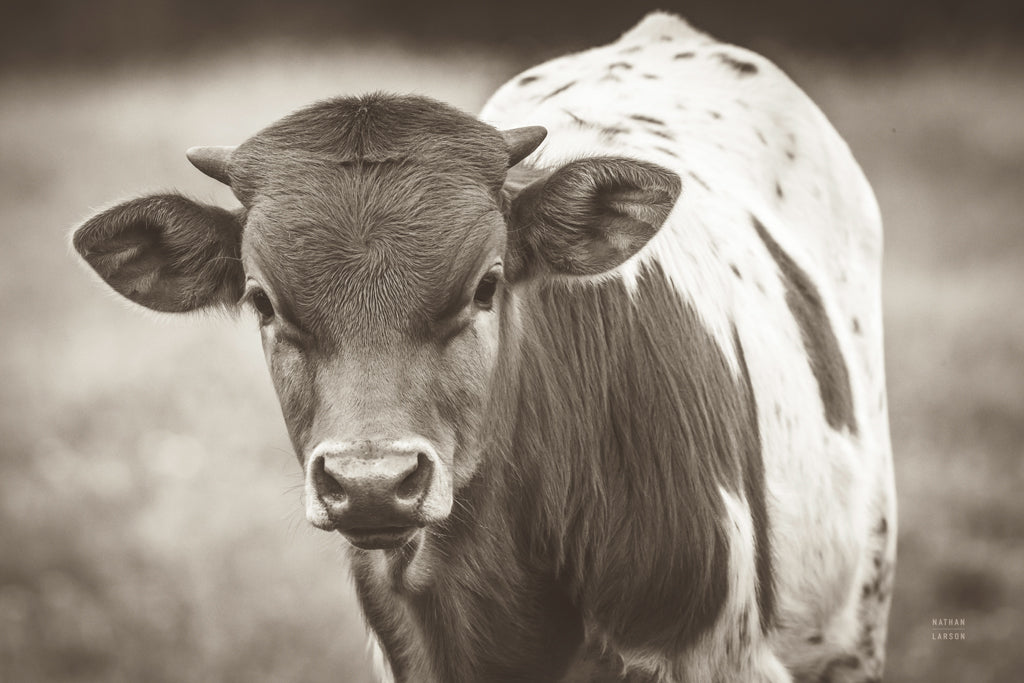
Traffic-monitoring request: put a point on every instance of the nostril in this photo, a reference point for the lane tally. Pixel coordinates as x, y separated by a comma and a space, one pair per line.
326, 485
416, 482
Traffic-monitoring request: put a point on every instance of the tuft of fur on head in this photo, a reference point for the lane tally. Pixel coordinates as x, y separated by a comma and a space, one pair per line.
659, 24
374, 129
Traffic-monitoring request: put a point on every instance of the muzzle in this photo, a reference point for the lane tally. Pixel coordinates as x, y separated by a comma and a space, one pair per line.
377, 492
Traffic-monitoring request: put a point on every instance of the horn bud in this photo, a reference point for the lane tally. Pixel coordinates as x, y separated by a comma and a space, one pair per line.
213, 161
522, 142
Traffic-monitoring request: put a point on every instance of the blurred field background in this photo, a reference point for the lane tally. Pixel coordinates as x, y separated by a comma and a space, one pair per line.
150, 519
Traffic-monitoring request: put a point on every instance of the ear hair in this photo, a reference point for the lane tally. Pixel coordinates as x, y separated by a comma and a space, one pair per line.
166, 252
588, 216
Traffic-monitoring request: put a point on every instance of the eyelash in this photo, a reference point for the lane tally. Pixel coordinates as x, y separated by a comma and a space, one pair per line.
260, 301
485, 290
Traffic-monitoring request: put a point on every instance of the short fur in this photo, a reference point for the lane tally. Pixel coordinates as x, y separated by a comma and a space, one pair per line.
669, 462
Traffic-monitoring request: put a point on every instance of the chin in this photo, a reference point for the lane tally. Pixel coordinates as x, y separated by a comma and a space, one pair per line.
385, 538
406, 567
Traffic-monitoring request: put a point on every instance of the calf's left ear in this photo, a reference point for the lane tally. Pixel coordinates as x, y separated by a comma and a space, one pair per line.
166, 252
588, 217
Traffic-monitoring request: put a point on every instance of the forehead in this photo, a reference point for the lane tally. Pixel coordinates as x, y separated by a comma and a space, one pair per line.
351, 267
380, 226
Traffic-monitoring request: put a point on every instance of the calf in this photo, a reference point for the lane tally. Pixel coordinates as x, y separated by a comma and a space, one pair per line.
616, 413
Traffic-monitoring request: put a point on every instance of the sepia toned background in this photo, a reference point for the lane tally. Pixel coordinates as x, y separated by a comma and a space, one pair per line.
150, 518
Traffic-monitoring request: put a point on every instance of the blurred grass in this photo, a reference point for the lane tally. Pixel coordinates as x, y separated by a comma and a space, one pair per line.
150, 526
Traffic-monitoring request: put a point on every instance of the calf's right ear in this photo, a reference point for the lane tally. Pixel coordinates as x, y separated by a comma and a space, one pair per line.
166, 252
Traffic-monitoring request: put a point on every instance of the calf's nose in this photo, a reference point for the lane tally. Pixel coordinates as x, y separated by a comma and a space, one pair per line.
370, 484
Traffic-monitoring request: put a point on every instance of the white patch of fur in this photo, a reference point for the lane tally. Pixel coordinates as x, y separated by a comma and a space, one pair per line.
316, 511
381, 668
742, 563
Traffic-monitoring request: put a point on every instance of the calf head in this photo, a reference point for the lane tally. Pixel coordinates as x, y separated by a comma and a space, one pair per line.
384, 244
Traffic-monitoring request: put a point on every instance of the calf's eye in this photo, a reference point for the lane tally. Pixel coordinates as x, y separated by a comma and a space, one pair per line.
484, 295
261, 302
